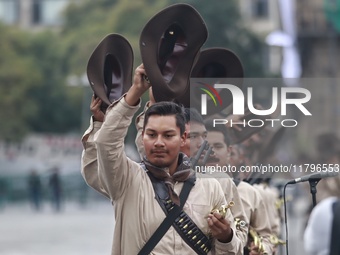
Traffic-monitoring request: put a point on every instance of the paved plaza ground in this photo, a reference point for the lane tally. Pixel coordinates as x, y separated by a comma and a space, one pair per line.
81, 230
75, 230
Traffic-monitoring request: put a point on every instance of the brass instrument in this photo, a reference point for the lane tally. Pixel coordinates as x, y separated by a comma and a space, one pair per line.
223, 209
276, 241
279, 202
257, 239
240, 223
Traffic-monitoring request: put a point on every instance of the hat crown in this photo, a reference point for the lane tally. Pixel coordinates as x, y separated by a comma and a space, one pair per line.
109, 69
112, 77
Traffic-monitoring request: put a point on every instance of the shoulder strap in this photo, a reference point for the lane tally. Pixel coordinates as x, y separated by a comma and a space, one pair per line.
335, 245
236, 181
183, 224
167, 222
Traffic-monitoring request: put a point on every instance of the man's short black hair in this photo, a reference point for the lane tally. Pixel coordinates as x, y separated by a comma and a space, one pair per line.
209, 125
165, 109
191, 114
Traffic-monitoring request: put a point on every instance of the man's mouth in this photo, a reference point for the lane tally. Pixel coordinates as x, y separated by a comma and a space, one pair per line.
159, 151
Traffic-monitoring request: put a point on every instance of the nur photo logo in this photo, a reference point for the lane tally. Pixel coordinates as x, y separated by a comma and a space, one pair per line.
281, 98
212, 93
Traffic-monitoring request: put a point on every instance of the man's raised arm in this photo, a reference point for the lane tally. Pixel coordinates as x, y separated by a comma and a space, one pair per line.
114, 168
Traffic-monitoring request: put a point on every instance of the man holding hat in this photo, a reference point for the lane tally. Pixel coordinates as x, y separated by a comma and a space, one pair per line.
196, 135
130, 188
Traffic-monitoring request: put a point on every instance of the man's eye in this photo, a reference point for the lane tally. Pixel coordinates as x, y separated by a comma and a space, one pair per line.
192, 136
151, 135
169, 136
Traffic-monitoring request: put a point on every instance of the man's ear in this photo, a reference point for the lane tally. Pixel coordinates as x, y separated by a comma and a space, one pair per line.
184, 138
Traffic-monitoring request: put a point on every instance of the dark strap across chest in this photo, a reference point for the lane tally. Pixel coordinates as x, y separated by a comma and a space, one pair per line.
183, 224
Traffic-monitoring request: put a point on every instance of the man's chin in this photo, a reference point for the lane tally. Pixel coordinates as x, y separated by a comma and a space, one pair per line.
159, 163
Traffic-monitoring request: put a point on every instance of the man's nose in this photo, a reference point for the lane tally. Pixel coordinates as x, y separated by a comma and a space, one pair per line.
159, 141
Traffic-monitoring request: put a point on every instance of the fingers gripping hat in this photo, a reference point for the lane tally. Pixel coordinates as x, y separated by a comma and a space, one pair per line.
169, 44
109, 69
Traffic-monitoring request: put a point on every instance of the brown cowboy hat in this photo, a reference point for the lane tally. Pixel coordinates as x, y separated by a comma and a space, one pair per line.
217, 64
109, 68
169, 43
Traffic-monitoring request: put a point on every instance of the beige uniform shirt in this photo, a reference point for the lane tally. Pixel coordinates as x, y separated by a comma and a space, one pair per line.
89, 163
270, 198
137, 213
256, 212
231, 194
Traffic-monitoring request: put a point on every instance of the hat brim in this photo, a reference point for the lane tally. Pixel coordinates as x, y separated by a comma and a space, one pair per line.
169, 43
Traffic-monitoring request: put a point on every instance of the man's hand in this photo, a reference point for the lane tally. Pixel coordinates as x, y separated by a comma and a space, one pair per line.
139, 86
220, 228
254, 250
98, 114
151, 97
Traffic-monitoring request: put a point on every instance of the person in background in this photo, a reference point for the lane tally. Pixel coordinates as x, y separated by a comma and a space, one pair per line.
56, 189
328, 150
35, 189
252, 201
321, 236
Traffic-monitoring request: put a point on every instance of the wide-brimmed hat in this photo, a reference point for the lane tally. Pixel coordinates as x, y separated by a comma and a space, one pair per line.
109, 68
218, 64
169, 44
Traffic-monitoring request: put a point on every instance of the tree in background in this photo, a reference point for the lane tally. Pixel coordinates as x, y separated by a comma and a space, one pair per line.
86, 24
34, 66
59, 104
19, 76
33, 94
226, 30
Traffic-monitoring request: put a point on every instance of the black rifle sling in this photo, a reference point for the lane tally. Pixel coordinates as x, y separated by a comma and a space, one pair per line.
167, 222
